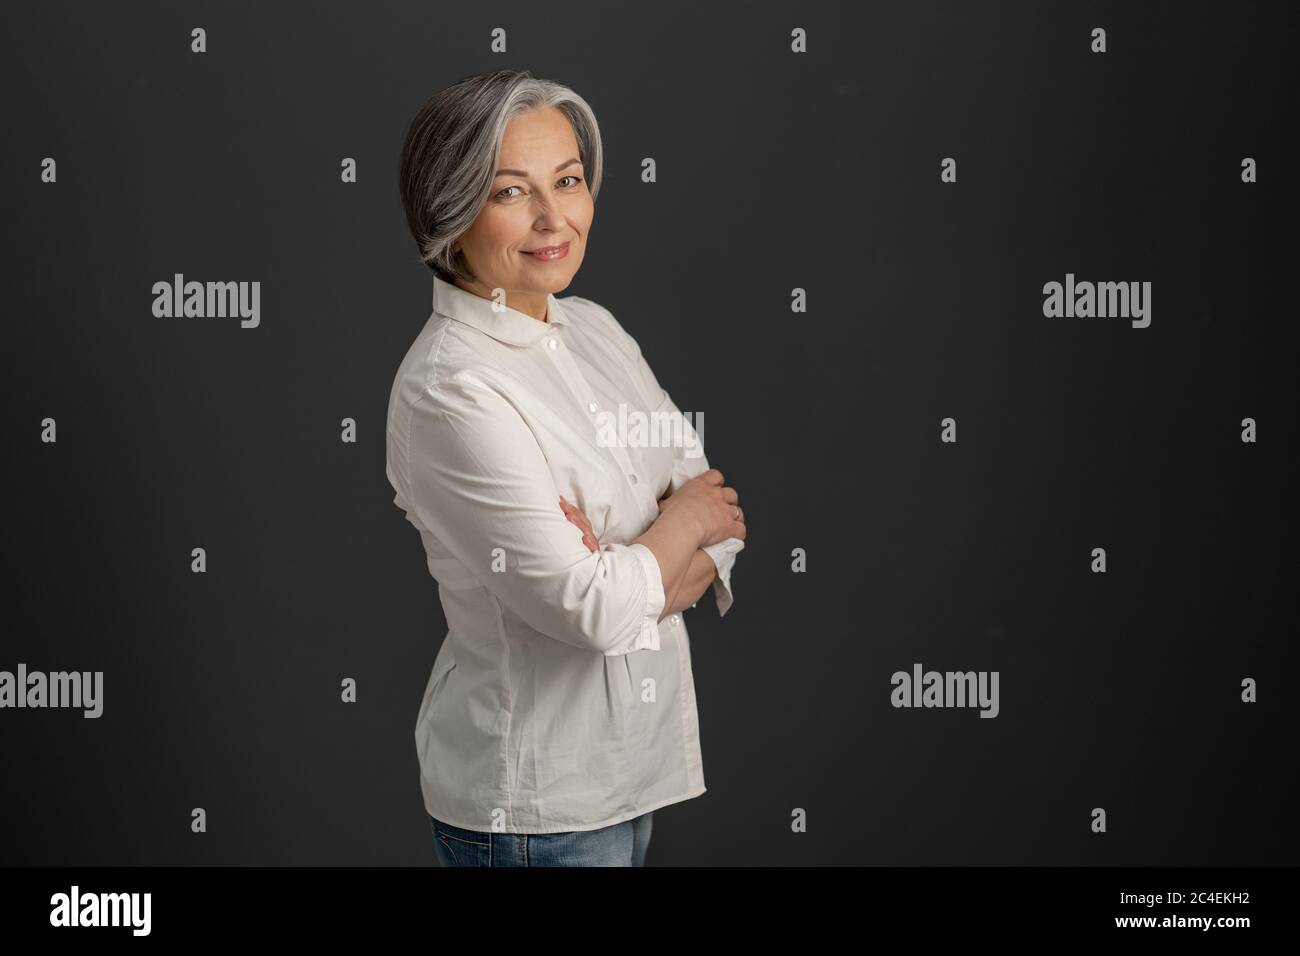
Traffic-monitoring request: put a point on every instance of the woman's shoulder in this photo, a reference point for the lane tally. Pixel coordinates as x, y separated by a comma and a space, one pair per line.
599, 320
444, 358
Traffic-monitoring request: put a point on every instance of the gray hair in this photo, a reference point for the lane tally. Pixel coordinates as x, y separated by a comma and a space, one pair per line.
451, 152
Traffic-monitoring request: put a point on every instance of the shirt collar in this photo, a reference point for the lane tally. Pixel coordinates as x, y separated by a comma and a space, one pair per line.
509, 326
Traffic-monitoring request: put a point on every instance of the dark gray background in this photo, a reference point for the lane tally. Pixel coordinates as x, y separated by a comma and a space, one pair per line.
775, 170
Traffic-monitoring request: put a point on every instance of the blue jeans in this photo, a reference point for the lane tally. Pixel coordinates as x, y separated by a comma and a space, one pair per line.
623, 844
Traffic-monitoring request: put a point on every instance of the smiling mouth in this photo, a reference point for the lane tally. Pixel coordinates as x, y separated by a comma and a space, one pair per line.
549, 252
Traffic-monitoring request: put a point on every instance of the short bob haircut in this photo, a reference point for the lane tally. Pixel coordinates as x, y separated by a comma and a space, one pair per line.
452, 149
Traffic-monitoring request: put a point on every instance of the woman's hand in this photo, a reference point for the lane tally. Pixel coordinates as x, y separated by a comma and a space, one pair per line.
574, 514
711, 505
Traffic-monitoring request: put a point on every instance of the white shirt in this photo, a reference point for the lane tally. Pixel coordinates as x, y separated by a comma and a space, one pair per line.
558, 700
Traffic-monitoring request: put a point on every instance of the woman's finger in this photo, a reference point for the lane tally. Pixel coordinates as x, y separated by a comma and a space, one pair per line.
575, 514
578, 519
587, 537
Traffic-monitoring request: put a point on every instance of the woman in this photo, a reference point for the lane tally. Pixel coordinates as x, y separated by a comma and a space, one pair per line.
560, 712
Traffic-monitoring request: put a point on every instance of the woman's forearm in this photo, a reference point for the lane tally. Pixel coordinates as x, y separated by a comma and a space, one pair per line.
675, 540
697, 580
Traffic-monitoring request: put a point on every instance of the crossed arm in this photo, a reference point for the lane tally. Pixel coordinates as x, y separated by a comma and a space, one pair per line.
688, 589
693, 585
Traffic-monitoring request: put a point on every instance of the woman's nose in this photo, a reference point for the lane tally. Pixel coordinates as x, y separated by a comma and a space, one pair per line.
549, 217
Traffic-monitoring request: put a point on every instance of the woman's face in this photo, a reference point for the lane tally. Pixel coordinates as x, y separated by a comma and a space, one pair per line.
539, 199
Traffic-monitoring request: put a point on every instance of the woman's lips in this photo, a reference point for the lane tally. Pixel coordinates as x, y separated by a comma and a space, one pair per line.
549, 253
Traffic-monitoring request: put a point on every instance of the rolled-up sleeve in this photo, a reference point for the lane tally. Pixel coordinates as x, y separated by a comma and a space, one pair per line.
479, 482
723, 552
688, 462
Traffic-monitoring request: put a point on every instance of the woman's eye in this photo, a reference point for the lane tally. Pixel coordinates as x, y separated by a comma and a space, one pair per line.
502, 193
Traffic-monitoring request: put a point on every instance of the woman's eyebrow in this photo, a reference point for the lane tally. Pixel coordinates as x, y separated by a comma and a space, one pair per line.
520, 172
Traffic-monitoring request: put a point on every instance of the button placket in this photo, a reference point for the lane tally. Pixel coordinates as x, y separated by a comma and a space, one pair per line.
578, 386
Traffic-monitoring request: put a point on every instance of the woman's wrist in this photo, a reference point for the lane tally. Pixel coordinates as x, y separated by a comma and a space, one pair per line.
699, 576
689, 523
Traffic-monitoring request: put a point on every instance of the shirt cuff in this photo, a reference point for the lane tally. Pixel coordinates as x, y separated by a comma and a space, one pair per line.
648, 638
724, 556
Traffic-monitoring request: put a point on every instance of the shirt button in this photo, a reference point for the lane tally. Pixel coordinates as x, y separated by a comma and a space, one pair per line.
592, 406
674, 619
552, 344
632, 478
